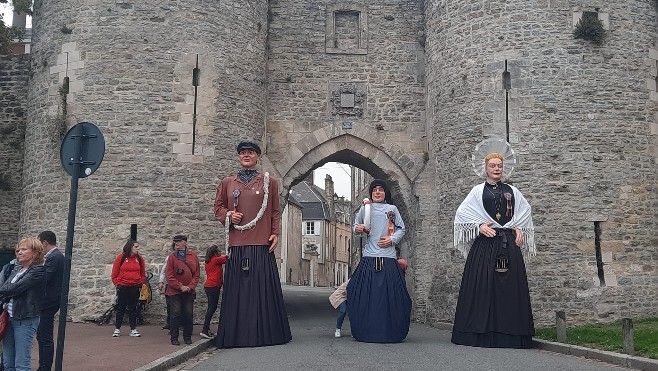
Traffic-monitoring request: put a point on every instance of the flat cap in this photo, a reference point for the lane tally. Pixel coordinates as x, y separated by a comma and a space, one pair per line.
245, 144
180, 237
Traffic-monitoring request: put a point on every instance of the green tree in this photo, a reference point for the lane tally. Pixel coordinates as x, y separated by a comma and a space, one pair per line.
8, 34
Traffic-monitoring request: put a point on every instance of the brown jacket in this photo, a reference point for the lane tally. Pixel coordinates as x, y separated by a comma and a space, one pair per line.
249, 202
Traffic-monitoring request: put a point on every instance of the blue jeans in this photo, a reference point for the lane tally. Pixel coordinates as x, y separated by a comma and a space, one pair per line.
342, 310
17, 344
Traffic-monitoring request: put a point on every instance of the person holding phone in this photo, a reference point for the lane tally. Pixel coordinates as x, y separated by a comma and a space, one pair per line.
252, 311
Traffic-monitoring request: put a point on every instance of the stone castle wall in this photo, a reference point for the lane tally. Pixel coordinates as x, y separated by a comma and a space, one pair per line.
130, 68
428, 84
14, 71
583, 122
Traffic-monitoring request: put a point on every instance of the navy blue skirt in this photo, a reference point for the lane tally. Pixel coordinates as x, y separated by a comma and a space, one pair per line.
378, 302
252, 313
493, 308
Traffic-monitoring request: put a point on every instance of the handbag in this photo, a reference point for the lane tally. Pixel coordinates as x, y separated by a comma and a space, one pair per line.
4, 323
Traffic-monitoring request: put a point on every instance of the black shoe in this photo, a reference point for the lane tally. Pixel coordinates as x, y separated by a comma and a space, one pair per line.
165, 327
175, 342
187, 341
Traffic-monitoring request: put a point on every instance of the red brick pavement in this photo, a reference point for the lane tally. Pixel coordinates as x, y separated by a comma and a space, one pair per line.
89, 347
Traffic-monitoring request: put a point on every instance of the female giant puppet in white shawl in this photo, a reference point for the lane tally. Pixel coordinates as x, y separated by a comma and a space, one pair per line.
493, 229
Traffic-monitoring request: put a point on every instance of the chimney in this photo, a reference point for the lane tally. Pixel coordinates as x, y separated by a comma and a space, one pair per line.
329, 193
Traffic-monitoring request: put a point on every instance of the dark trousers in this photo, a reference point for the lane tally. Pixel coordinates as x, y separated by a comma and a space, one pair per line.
213, 299
181, 314
127, 297
45, 338
167, 302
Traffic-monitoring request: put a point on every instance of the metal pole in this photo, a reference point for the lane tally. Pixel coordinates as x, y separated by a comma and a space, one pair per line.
73, 198
195, 82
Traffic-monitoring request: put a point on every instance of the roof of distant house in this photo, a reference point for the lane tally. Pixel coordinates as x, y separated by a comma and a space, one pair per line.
311, 197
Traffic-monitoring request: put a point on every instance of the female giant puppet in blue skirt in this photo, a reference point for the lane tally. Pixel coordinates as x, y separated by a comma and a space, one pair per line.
378, 303
252, 312
493, 229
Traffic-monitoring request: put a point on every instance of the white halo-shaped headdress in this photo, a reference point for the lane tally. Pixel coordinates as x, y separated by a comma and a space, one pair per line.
493, 145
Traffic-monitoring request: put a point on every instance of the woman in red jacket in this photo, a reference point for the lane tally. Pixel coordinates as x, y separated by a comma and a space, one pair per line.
128, 274
213, 286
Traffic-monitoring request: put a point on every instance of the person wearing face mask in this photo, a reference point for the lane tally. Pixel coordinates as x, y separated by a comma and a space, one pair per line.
183, 273
493, 229
379, 305
252, 312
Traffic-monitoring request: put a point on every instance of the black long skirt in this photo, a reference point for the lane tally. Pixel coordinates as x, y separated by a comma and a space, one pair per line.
493, 309
378, 302
252, 313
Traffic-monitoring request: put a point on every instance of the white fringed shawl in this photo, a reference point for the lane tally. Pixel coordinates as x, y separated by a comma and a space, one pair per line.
471, 214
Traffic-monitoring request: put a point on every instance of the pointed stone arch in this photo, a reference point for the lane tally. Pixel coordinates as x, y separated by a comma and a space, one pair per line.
366, 148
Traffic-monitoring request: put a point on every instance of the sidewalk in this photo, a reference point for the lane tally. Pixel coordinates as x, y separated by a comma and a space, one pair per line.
89, 347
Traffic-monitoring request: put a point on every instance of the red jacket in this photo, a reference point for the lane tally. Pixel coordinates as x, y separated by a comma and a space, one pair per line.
215, 271
129, 273
189, 273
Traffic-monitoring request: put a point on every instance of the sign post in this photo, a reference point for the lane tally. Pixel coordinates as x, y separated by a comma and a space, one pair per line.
81, 153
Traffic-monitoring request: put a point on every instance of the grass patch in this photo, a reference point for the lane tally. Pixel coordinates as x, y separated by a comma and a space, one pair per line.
609, 336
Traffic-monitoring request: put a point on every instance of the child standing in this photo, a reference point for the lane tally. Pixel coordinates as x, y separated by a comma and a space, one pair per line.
215, 278
338, 300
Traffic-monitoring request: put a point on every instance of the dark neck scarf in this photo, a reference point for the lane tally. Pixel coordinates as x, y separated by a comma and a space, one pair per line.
246, 175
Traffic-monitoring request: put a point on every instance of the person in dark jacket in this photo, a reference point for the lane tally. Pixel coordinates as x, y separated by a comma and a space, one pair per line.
23, 293
54, 264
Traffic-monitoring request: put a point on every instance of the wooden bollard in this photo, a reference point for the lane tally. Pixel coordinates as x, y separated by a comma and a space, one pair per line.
629, 343
561, 325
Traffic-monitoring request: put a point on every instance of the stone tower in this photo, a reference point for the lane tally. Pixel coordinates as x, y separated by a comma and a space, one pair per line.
582, 119
127, 66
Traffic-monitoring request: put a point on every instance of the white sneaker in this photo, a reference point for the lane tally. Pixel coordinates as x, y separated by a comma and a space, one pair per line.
116, 333
337, 334
135, 333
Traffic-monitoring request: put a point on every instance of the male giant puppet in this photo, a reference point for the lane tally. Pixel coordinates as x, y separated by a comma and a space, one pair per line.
252, 311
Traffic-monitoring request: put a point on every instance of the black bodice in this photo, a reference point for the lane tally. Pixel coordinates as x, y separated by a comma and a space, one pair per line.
498, 201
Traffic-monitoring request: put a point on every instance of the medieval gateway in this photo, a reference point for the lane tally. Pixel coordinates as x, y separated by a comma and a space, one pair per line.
401, 89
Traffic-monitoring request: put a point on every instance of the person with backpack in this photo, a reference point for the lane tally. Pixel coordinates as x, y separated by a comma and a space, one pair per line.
128, 275
183, 275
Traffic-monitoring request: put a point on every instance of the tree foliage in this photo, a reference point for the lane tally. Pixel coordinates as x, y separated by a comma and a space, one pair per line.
590, 28
8, 34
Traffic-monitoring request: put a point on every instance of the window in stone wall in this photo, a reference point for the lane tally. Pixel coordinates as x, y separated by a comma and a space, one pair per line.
346, 30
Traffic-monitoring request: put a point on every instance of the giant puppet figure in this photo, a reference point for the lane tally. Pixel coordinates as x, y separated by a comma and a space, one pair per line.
494, 231
378, 302
252, 310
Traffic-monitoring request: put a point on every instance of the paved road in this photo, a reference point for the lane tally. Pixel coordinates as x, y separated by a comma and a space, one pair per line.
314, 347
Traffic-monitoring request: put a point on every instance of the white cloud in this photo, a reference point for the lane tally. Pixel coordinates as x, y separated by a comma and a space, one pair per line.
341, 175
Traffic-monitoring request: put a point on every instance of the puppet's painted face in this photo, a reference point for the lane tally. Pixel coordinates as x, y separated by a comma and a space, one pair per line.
248, 158
378, 194
494, 169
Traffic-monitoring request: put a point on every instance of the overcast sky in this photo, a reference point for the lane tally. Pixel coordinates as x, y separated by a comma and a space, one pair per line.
5, 10
340, 173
